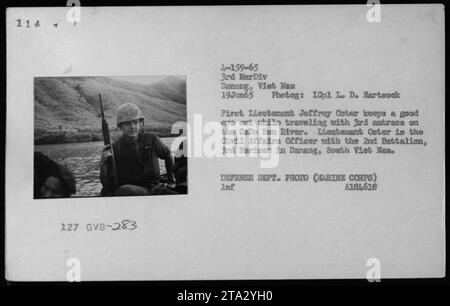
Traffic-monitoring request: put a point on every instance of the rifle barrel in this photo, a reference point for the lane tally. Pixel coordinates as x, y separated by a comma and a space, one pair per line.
101, 105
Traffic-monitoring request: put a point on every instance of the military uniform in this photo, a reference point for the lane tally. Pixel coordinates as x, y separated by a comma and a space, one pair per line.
137, 163
135, 158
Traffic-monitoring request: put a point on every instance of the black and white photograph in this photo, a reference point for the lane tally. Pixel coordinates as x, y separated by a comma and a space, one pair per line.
225, 143
98, 136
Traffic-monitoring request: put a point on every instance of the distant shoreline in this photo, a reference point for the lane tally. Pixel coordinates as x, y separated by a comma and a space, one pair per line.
47, 138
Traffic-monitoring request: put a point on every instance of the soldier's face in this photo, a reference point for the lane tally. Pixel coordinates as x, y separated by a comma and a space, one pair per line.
131, 128
52, 188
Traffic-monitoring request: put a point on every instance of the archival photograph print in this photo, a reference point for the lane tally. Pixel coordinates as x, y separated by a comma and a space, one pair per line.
100, 136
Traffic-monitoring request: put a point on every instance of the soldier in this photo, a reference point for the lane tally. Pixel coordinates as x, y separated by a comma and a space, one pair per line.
51, 180
136, 156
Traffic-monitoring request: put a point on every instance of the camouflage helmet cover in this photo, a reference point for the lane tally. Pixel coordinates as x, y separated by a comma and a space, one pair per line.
128, 112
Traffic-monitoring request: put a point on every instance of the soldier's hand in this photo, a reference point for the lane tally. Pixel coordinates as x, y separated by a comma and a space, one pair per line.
166, 185
106, 152
171, 183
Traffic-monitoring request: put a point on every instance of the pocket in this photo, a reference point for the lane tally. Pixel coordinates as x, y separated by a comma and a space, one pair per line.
145, 154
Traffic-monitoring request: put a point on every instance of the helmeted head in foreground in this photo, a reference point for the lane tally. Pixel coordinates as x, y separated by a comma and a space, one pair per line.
51, 179
130, 119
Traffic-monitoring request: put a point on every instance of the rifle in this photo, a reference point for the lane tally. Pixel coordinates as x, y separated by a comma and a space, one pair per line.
107, 141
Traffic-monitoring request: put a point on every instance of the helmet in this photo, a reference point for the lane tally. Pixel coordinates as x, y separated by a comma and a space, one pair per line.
128, 112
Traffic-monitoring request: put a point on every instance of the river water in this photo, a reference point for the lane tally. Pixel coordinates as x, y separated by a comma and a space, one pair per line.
83, 159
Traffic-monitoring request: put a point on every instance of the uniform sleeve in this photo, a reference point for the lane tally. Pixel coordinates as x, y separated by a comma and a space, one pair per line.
162, 151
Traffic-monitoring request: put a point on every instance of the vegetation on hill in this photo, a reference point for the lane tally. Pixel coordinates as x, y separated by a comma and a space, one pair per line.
67, 108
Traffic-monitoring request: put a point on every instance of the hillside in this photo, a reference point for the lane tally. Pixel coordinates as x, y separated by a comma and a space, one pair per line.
67, 108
